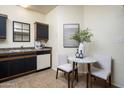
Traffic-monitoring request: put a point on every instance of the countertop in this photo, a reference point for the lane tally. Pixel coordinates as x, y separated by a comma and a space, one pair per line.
7, 51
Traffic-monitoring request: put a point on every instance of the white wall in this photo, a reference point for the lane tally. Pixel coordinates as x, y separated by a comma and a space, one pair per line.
106, 23
17, 13
52, 20
56, 18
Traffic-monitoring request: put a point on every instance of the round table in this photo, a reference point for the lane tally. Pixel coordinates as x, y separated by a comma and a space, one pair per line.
85, 60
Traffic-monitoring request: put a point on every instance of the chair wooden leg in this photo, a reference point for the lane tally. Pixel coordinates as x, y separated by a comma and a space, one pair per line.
65, 74
87, 78
94, 78
105, 83
91, 81
68, 80
57, 74
77, 75
110, 81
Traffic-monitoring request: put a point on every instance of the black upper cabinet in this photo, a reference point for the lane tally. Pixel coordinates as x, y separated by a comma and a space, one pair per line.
42, 31
3, 26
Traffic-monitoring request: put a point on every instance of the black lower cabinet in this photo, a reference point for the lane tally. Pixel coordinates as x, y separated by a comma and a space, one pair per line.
3, 69
17, 66
22, 65
30, 64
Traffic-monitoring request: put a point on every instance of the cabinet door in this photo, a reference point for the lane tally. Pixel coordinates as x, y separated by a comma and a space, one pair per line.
2, 27
3, 69
30, 64
43, 61
16, 66
22, 65
41, 31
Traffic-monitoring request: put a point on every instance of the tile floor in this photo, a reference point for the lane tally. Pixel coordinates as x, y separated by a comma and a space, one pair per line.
46, 79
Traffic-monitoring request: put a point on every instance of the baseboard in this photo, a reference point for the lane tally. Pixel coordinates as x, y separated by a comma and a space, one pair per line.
43, 69
115, 86
55, 69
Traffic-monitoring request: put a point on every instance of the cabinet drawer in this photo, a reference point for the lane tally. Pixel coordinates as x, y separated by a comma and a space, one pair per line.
43, 52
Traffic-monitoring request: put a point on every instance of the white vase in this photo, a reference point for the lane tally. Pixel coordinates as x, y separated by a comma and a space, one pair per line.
81, 47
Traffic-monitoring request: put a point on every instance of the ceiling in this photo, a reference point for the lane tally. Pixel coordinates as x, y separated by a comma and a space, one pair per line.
44, 9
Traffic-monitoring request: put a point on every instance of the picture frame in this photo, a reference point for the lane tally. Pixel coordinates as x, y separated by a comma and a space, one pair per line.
68, 31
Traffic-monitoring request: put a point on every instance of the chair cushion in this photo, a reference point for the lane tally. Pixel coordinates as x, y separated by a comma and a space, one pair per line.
101, 73
66, 67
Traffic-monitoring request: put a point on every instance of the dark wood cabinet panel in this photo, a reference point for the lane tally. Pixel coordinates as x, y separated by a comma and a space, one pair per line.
3, 27
30, 63
43, 52
17, 66
3, 69
42, 31
22, 65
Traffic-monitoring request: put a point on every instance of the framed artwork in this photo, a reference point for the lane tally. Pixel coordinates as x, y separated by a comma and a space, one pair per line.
68, 31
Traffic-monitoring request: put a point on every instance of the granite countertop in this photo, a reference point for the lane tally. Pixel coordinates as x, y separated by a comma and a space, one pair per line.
20, 50
13, 53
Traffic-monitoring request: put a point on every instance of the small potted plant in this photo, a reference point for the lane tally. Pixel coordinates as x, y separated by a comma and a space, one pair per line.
82, 36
